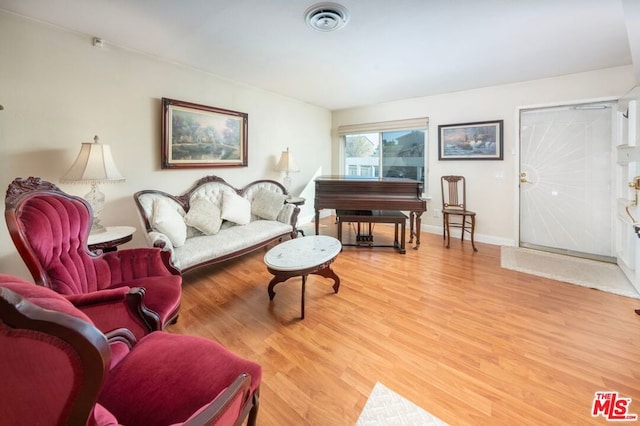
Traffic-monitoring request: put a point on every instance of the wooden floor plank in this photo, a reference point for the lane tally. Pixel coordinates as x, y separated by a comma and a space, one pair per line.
449, 329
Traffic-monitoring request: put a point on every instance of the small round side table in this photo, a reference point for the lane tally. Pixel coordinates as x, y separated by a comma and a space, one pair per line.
300, 257
110, 239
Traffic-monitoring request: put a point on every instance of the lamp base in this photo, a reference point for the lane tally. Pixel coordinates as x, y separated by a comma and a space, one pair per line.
96, 227
286, 182
95, 199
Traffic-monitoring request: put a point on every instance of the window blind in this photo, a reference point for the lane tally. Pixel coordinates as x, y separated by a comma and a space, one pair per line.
384, 126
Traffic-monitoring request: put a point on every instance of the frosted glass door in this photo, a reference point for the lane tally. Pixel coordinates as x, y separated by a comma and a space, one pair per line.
566, 169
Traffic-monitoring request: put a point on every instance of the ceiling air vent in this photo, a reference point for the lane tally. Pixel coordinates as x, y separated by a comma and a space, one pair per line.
327, 16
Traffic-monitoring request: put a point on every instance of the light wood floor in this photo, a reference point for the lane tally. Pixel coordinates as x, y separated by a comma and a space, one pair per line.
470, 342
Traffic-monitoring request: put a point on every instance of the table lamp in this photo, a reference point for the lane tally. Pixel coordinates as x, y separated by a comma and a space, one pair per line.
287, 164
94, 165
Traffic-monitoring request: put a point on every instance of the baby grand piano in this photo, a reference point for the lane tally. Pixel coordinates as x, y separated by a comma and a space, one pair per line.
372, 193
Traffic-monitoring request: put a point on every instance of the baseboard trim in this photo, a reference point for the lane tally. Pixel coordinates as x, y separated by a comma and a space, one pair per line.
480, 238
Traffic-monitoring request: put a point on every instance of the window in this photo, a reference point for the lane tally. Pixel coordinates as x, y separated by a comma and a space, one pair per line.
393, 151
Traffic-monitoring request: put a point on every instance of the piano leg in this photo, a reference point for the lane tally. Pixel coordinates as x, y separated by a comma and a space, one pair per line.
317, 222
411, 220
418, 228
414, 228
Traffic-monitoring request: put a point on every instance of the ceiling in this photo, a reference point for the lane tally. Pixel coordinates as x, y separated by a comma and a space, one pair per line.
389, 50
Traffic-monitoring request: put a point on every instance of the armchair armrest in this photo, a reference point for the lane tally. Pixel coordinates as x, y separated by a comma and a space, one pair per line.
131, 264
289, 214
161, 241
231, 406
103, 297
122, 335
121, 341
158, 239
115, 308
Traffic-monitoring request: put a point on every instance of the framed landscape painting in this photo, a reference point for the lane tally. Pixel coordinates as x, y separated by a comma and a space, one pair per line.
202, 136
471, 141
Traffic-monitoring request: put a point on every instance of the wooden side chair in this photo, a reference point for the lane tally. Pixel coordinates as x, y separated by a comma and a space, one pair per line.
454, 209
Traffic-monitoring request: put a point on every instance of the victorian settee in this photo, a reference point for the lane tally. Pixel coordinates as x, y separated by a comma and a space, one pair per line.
213, 221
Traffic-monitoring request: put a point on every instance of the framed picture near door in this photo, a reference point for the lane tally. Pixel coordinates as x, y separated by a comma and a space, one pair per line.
471, 141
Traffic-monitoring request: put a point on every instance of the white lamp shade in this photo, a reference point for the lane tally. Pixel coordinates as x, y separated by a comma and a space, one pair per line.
93, 165
287, 163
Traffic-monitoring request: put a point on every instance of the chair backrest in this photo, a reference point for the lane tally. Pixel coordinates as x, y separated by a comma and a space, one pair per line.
50, 230
454, 192
53, 361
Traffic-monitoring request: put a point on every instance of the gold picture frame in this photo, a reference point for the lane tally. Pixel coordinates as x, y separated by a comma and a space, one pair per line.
200, 136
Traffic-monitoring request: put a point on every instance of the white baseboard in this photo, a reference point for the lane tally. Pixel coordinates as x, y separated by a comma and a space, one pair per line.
308, 218
481, 238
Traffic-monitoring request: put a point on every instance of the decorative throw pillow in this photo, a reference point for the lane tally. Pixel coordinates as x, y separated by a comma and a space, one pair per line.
204, 216
267, 204
235, 208
168, 221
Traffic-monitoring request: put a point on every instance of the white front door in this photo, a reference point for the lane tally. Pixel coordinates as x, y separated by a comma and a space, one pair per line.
566, 180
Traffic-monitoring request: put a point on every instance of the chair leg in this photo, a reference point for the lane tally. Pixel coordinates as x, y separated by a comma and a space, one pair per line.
448, 229
253, 414
473, 230
464, 223
444, 227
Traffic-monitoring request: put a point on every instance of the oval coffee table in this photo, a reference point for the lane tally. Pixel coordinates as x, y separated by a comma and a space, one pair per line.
300, 257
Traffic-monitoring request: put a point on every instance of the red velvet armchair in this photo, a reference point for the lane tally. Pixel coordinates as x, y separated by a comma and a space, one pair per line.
58, 369
50, 230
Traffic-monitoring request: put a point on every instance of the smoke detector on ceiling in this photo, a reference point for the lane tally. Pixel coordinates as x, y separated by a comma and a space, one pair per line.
327, 16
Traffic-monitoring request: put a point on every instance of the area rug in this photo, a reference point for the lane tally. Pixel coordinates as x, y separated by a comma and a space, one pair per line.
385, 407
584, 272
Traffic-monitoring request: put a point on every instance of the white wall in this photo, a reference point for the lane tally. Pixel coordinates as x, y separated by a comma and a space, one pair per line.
58, 91
492, 186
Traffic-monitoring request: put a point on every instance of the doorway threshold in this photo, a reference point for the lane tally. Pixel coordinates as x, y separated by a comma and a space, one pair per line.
566, 252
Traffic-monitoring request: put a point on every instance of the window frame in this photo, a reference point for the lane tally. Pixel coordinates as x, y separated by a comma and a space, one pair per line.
380, 128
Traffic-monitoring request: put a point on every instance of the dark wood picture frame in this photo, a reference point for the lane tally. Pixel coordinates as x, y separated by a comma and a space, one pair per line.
482, 140
200, 136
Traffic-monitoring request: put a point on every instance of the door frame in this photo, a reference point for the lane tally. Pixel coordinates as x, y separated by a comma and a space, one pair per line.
517, 152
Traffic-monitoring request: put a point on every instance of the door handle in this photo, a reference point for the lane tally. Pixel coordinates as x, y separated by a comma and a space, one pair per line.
523, 178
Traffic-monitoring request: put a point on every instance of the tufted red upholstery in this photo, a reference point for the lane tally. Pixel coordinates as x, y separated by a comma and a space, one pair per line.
44, 377
56, 229
57, 368
50, 230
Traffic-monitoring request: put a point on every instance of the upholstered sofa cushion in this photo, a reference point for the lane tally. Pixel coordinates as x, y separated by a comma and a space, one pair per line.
230, 239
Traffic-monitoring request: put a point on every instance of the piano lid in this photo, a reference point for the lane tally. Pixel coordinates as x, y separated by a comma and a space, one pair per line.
351, 178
